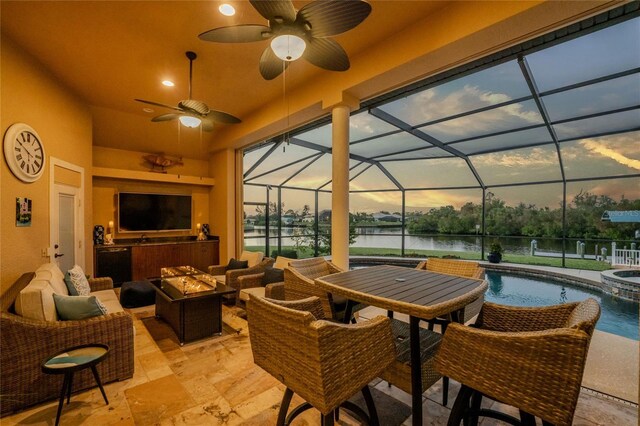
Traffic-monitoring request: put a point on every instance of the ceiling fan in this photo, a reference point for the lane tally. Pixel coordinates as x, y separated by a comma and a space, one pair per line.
191, 112
297, 34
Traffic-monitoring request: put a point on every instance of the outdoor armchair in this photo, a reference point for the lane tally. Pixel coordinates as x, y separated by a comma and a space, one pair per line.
324, 362
230, 276
461, 268
299, 283
530, 358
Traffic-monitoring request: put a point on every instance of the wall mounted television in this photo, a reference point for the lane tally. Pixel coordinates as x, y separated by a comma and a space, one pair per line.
139, 212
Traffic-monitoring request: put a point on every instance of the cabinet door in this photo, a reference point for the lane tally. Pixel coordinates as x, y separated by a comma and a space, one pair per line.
205, 254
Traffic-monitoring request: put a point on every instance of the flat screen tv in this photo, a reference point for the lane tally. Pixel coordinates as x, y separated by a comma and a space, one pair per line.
153, 212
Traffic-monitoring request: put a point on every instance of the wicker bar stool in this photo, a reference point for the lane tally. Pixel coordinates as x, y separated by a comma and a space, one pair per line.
324, 362
530, 358
299, 283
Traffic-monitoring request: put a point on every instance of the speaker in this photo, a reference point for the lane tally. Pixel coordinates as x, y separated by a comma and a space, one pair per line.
205, 229
98, 235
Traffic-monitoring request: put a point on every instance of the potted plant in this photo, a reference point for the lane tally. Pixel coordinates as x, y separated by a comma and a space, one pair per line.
495, 253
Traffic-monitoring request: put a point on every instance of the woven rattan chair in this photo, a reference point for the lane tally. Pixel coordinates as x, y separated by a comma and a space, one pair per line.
461, 268
399, 372
530, 358
299, 283
323, 362
231, 276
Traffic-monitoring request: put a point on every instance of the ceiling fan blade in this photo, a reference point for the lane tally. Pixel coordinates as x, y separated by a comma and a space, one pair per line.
237, 34
328, 18
166, 117
271, 9
223, 117
157, 104
207, 125
326, 53
270, 65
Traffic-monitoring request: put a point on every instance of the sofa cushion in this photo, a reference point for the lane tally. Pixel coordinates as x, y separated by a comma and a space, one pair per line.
109, 299
52, 268
253, 257
70, 287
35, 301
55, 280
78, 307
79, 281
282, 262
220, 278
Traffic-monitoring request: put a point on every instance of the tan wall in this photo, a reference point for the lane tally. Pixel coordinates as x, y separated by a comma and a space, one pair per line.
105, 189
31, 96
105, 210
132, 160
222, 204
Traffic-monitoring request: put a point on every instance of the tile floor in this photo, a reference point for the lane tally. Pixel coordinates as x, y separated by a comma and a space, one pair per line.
215, 382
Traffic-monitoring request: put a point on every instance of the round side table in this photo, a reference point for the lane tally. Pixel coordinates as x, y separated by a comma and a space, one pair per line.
75, 359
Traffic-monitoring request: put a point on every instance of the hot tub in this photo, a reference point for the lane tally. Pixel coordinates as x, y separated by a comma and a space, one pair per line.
624, 283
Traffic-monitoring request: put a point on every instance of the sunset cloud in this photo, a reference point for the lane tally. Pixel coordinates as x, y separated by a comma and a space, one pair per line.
599, 148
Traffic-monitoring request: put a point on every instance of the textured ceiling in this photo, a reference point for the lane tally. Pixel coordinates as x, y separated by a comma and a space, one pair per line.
110, 52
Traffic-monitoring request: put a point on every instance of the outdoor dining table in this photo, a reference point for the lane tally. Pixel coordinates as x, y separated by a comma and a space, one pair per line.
421, 294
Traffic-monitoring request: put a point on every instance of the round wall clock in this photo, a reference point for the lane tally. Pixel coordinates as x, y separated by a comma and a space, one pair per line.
24, 152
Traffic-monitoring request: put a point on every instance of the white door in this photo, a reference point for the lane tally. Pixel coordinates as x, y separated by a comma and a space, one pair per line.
65, 226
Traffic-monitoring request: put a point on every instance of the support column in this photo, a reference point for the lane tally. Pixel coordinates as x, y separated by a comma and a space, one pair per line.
341, 104
340, 187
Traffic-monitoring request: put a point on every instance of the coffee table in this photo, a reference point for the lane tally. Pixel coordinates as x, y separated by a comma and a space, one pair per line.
190, 301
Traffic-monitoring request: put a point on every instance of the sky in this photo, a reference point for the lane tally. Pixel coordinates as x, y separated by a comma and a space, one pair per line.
417, 164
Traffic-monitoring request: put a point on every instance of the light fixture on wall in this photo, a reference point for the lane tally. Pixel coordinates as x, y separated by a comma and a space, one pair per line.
288, 47
189, 121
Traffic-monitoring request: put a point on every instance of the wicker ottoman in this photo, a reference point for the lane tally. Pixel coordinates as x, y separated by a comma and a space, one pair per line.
134, 294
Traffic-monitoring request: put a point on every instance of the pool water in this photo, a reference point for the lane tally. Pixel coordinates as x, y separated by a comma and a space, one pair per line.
617, 317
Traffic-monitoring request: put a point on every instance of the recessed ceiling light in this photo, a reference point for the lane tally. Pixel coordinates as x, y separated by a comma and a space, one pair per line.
168, 83
226, 9
147, 109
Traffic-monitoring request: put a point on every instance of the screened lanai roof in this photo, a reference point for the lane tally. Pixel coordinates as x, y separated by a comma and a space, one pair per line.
562, 113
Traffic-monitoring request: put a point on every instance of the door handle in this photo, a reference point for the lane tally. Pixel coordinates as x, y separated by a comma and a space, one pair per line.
58, 255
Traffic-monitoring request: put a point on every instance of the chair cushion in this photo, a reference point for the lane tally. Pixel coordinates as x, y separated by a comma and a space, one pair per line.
220, 278
35, 301
253, 257
237, 264
272, 275
245, 294
79, 281
282, 262
78, 307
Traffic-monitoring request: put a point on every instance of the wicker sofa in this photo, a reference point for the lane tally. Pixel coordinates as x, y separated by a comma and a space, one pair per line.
230, 277
27, 342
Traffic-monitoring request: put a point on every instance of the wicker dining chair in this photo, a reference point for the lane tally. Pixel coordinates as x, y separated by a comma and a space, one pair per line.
529, 358
324, 362
399, 372
299, 283
461, 268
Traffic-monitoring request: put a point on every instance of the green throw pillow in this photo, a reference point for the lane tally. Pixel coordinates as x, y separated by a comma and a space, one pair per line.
78, 307
70, 286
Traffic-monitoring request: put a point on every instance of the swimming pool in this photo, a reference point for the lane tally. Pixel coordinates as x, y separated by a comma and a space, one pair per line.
618, 316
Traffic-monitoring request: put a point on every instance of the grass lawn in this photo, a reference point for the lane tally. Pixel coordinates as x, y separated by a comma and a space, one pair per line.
592, 265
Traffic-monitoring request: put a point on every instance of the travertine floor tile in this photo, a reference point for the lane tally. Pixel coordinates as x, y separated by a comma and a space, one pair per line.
158, 399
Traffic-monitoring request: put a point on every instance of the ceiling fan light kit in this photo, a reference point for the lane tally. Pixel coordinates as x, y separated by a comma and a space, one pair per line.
191, 112
189, 121
304, 33
288, 47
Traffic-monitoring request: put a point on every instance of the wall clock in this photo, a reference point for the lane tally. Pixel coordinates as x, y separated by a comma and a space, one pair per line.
24, 152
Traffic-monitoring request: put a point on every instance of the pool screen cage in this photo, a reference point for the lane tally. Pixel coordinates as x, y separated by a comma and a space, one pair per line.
552, 121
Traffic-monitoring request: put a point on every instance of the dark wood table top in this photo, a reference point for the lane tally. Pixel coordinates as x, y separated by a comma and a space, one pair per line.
420, 293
